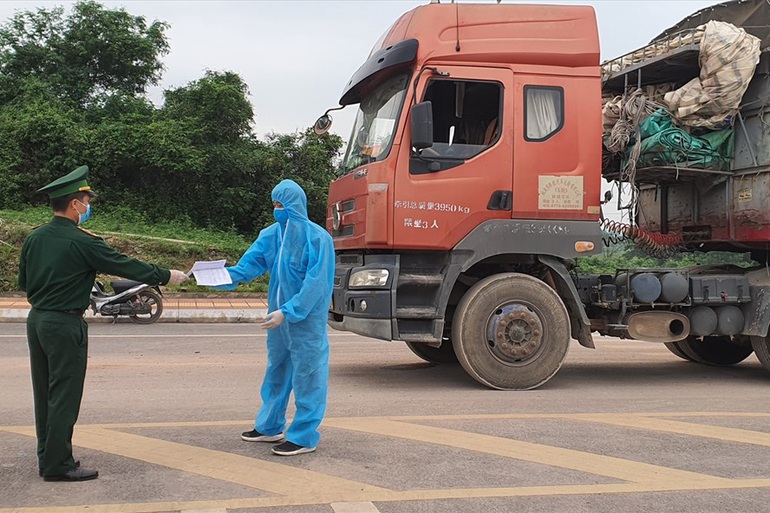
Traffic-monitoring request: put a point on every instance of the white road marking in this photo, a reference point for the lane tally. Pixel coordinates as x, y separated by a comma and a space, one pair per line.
184, 335
353, 507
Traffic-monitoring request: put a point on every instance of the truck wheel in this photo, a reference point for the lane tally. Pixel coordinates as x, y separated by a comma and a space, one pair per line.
443, 354
674, 348
761, 347
511, 332
716, 350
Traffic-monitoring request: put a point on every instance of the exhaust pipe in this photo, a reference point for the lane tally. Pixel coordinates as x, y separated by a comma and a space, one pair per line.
658, 326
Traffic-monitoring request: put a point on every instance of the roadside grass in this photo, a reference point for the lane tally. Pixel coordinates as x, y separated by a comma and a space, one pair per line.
175, 244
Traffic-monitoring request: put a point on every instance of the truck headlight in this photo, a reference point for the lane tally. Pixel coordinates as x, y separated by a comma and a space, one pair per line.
369, 278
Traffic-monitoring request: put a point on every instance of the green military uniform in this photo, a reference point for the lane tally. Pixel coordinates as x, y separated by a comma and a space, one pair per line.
58, 265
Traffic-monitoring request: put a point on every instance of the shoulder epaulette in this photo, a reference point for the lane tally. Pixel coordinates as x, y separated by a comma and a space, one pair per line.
88, 233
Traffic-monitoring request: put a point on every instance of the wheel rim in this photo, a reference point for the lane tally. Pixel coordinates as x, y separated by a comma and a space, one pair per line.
147, 301
155, 309
514, 333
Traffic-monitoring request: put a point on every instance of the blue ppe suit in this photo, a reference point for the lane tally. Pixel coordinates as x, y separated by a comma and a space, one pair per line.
299, 255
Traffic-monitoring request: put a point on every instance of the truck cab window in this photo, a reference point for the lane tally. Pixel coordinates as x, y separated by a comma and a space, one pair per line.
544, 112
466, 117
375, 123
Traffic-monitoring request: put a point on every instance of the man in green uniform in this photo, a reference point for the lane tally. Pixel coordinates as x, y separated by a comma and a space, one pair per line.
58, 265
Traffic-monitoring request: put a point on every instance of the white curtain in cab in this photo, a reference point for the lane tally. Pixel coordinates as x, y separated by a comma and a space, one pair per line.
543, 112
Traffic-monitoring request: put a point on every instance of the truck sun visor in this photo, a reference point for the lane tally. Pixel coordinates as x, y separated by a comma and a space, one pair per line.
389, 58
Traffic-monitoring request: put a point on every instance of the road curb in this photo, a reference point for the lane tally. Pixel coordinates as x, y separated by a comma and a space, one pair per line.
11, 315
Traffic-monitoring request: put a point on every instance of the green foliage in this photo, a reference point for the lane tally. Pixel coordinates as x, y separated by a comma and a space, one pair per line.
625, 256
216, 106
307, 159
37, 133
71, 93
91, 54
176, 244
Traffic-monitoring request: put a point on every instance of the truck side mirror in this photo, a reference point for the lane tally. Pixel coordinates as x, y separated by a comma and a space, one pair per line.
323, 124
422, 125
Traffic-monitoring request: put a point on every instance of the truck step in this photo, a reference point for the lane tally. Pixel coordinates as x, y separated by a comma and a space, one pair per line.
416, 312
420, 279
418, 337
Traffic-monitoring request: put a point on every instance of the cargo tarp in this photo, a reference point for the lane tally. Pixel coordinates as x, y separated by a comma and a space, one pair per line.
663, 144
728, 57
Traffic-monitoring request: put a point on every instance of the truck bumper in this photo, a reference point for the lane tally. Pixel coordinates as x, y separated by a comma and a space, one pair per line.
365, 311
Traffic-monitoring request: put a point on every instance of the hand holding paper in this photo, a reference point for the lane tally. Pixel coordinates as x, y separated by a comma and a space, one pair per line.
177, 277
211, 273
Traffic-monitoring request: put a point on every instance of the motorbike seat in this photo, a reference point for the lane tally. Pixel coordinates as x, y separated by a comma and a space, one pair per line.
123, 285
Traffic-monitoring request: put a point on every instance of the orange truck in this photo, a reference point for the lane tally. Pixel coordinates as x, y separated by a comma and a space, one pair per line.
472, 182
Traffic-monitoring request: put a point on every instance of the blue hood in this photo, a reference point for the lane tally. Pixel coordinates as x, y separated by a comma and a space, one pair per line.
293, 199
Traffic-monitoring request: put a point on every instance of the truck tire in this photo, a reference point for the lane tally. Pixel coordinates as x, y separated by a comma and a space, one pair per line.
442, 354
761, 347
716, 350
674, 348
511, 332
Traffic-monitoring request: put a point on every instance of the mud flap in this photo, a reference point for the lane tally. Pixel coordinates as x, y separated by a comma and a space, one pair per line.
579, 323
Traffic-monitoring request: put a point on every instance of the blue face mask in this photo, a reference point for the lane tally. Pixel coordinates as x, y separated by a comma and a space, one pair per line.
281, 215
82, 218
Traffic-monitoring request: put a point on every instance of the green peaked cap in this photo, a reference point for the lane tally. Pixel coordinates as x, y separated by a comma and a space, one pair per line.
76, 181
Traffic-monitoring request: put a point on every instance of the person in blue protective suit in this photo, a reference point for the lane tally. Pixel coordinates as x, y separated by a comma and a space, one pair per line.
299, 255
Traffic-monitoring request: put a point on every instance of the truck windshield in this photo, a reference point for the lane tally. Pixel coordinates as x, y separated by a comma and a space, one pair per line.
375, 124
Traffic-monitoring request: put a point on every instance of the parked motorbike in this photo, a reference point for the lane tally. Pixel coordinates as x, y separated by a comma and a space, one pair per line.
142, 303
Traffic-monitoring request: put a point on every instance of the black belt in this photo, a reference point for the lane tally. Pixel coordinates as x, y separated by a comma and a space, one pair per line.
79, 313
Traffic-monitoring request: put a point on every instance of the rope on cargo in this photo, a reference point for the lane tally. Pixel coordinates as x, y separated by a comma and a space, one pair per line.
635, 107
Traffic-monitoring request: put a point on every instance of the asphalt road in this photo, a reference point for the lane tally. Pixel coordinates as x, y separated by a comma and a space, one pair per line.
625, 427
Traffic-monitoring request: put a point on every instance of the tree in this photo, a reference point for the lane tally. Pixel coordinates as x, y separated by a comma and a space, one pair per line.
217, 104
92, 54
71, 93
39, 136
306, 158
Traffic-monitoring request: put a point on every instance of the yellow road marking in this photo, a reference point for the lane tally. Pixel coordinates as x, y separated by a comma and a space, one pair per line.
280, 479
397, 418
682, 428
608, 466
255, 473
567, 416
389, 496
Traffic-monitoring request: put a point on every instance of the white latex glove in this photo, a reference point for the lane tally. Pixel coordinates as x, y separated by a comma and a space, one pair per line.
177, 277
273, 320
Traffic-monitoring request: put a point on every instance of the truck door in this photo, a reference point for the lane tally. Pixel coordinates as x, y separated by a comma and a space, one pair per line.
556, 148
443, 192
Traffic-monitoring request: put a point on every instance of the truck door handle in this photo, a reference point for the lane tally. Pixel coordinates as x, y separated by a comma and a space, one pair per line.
500, 200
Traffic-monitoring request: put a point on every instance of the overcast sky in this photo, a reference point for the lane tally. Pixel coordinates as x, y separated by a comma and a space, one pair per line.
296, 56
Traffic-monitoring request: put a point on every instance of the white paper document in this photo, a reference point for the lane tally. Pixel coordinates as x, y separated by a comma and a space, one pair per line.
210, 273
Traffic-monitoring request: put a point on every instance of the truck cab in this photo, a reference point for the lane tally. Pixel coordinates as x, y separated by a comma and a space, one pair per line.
471, 183
473, 169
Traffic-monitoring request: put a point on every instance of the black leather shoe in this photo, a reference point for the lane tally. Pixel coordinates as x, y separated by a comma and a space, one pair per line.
40, 471
76, 474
